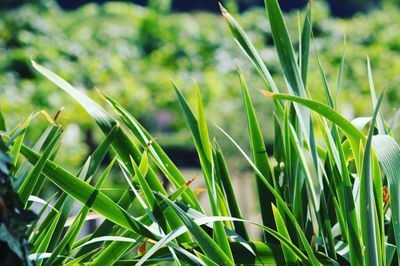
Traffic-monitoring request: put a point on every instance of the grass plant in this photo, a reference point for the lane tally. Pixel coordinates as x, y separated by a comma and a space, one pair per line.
329, 193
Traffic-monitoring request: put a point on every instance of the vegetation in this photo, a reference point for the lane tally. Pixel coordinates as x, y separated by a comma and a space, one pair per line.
14, 220
328, 195
131, 52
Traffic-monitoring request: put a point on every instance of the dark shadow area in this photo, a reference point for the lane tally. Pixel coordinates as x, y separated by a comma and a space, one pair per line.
188, 6
348, 8
183, 157
339, 8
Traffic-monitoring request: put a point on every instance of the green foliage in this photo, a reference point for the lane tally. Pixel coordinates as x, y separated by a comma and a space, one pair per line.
14, 219
323, 203
131, 53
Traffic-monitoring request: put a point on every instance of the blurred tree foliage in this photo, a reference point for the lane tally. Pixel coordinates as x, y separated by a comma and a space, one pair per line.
132, 53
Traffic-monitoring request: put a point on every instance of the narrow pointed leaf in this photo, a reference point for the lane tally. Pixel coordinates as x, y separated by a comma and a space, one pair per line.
86, 194
284, 47
281, 228
245, 43
31, 180
351, 132
261, 160
388, 153
379, 120
229, 192
18, 142
161, 159
367, 202
73, 231
279, 200
207, 244
305, 45
122, 144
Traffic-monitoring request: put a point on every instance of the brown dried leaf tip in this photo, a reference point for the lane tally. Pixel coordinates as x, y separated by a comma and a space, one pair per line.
267, 93
386, 195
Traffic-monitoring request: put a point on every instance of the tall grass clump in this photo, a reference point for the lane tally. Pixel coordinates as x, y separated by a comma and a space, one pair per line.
331, 200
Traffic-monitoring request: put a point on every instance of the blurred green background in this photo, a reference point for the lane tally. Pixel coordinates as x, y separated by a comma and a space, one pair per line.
132, 52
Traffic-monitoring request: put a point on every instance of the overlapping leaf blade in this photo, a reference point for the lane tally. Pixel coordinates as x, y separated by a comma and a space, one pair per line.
388, 153
85, 193
261, 160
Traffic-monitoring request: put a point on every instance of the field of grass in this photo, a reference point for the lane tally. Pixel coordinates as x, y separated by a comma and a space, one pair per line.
328, 193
